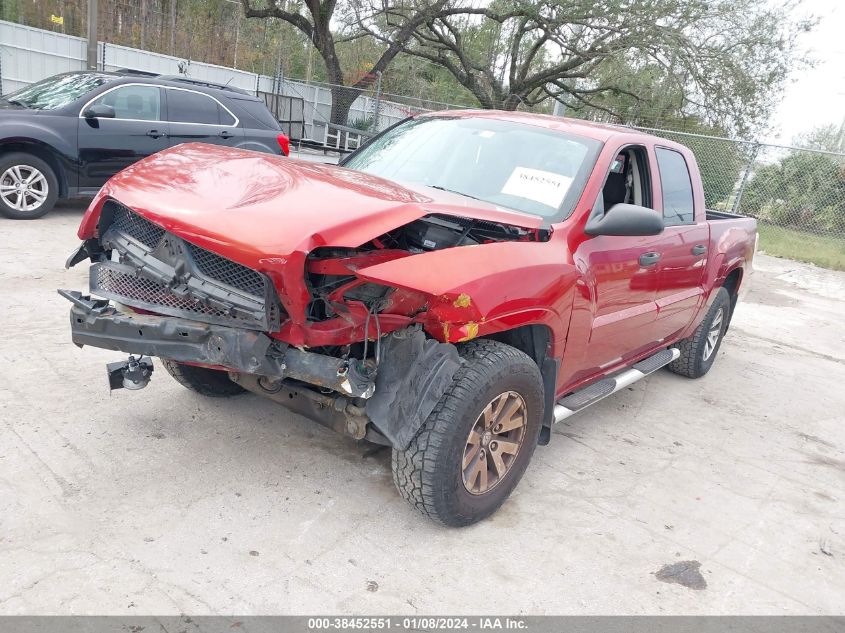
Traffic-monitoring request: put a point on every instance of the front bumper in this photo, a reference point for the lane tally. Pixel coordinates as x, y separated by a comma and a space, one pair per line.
97, 323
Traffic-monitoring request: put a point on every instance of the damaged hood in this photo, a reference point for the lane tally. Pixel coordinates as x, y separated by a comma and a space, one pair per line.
268, 206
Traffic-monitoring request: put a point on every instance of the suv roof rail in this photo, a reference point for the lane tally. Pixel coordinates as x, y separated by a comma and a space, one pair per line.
202, 82
135, 71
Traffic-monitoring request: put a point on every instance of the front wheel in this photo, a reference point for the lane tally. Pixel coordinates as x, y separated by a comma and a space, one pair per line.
28, 186
207, 382
473, 449
699, 351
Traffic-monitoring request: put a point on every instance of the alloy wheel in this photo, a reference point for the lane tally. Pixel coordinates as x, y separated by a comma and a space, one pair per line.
23, 187
713, 334
494, 442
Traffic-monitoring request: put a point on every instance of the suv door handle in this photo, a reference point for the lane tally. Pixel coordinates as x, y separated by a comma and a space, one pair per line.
699, 249
649, 259
225, 134
155, 134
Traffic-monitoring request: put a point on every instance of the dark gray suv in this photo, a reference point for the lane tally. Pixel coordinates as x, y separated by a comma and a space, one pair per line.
63, 137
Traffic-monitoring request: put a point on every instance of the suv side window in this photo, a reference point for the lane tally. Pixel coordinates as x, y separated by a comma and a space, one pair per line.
184, 106
140, 103
678, 207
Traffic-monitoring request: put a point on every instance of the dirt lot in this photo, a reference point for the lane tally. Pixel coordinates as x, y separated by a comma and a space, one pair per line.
162, 501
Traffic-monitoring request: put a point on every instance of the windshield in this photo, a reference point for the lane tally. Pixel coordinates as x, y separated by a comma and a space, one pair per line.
514, 165
58, 91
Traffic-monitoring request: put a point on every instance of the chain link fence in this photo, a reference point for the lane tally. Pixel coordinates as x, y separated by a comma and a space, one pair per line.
797, 195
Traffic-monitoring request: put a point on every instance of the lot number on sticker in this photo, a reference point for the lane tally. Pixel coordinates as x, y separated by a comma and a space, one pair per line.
545, 187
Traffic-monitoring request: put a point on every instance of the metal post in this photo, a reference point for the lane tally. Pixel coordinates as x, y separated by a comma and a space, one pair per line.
378, 102
237, 37
560, 108
92, 34
744, 180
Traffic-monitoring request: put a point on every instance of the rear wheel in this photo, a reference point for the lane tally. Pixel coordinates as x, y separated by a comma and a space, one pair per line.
208, 382
698, 352
475, 446
28, 186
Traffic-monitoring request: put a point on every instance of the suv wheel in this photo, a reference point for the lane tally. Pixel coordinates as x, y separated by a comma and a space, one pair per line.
28, 186
476, 444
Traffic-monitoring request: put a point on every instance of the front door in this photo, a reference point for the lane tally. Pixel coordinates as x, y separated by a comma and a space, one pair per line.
107, 145
622, 272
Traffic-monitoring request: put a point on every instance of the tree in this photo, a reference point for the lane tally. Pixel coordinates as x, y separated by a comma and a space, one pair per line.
317, 19
724, 57
804, 189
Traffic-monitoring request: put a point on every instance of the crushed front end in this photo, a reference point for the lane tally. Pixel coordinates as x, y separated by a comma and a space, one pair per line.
155, 293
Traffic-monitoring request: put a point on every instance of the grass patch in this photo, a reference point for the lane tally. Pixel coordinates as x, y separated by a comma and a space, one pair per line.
821, 250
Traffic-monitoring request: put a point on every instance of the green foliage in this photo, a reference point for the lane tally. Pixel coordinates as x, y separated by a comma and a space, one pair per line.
827, 251
801, 189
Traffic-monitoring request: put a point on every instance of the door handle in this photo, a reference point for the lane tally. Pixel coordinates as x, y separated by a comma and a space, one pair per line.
155, 134
699, 249
649, 259
225, 134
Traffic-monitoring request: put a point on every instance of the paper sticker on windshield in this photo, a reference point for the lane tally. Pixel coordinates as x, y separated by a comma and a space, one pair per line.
545, 187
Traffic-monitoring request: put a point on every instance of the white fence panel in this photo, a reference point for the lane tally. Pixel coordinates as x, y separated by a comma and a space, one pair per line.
28, 55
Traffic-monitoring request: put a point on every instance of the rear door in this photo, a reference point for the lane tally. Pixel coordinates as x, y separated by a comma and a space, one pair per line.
684, 246
108, 145
196, 117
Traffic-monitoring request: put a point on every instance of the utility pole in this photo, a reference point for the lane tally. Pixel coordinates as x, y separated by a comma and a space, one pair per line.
173, 27
92, 34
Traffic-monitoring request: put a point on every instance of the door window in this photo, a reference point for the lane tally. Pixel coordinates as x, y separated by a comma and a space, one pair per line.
675, 181
184, 106
139, 103
627, 181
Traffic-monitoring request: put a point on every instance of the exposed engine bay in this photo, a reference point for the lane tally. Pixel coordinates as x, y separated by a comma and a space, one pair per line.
331, 271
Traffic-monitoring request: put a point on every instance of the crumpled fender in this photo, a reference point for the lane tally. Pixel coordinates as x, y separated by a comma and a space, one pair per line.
478, 290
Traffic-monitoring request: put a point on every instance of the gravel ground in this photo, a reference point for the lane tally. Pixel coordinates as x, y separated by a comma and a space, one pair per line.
720, 496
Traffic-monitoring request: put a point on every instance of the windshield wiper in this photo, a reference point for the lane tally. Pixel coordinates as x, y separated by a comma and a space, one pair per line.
460, 193
14, 102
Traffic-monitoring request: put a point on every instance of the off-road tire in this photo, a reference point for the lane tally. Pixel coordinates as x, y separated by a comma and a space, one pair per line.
428, 473
691, 363
28, 160
207, 382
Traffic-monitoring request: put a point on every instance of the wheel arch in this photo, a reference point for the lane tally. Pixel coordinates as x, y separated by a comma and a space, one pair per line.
535, 340
732, 282
40, 150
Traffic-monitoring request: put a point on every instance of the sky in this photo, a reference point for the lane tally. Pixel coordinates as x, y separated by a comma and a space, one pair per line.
815, 96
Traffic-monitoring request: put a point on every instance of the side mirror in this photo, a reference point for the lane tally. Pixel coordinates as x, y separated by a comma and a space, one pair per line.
99, 111
625, 219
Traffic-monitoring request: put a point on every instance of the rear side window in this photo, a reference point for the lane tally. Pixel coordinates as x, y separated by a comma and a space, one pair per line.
677, 187
139, 103
192, 107
258, 112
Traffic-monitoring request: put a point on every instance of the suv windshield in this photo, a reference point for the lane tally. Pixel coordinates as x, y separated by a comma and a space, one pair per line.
519, 166
58, 91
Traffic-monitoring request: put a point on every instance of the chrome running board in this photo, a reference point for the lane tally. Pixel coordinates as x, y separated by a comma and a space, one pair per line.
583, 398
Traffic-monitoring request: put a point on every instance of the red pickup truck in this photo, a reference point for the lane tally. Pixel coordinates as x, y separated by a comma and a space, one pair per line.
456, 287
